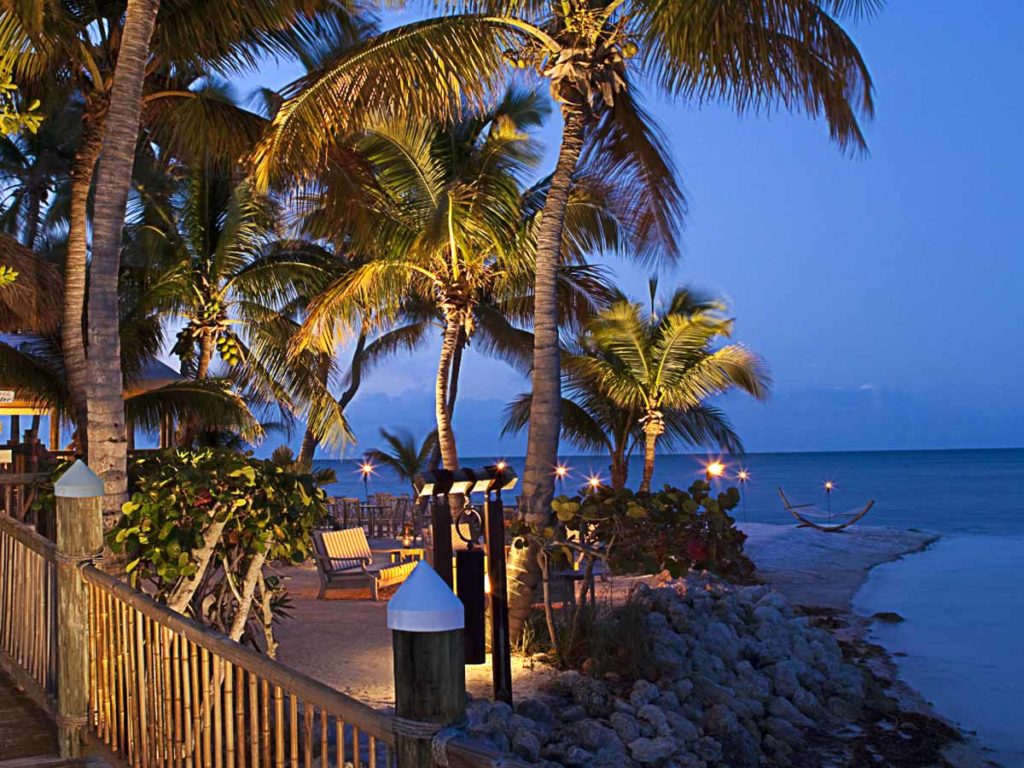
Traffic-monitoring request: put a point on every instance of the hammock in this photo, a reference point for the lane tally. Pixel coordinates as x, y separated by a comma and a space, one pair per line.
804, 512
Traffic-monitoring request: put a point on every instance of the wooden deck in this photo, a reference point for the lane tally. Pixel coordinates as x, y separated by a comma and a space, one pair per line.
28, 738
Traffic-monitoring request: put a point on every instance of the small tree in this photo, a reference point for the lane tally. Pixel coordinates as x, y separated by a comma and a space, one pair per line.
200, 526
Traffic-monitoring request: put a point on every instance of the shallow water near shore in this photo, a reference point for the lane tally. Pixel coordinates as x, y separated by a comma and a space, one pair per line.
963, 605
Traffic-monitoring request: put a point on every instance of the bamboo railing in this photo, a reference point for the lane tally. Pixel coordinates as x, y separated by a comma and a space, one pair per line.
165, 691
17, 492
28, 647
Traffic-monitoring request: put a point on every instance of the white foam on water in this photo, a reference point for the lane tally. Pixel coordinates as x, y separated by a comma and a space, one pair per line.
963, 601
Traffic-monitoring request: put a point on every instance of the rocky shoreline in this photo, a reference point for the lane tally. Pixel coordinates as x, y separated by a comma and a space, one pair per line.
742, 677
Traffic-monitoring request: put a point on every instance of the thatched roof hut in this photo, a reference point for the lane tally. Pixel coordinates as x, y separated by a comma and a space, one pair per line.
32, 303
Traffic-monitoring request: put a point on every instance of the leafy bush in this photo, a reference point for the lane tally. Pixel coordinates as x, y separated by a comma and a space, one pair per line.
672, 530
200, 524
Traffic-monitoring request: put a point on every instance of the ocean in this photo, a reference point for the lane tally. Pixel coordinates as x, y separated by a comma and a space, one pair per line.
961, 645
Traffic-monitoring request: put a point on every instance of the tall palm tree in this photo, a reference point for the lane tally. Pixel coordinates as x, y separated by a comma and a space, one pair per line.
403, 457
81, 45
661, 366
753, 54
442, 232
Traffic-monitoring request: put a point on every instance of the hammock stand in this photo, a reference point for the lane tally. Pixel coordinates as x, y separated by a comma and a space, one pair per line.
802, 514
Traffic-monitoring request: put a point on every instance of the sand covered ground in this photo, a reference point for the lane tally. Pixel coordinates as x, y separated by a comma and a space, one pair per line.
345, 642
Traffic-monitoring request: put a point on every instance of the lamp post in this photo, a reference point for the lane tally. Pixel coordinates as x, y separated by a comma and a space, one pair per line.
743, 476
367, 469
714, 469
829, 485
561, 472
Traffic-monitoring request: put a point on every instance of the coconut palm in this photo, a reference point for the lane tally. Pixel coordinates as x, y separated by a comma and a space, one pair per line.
403, 457
34, 168
594, 423
443, 232
753, 54
81, 45
651, 363
238, 289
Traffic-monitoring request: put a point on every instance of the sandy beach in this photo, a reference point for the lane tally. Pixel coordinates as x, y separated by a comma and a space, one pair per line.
344, 641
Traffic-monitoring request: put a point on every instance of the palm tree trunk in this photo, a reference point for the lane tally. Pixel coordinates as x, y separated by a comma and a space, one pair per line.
545, 407
650, 446
32, 217
309, 439
445, 434
620, 471
206, 343
108, 446
654, 427
75, 267
453, 392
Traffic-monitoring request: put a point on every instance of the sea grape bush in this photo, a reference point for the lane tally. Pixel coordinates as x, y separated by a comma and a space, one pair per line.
670, 530
200, 524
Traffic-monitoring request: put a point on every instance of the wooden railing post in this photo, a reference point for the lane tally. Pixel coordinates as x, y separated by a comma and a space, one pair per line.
79, 494
427, 623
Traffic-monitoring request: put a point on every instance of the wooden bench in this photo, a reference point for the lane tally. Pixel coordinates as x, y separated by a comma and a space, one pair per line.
344, 558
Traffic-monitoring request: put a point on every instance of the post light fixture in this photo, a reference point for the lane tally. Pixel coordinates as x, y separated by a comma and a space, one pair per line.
743, 476
829, 487
561, 472
367, 469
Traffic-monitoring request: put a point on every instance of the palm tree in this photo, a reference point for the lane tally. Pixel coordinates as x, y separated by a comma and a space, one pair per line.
634, 378
753, 54
81, 46
238, 288
443, 231
403, 458
34, 167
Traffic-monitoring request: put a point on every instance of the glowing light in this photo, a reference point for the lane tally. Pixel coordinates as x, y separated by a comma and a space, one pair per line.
743, 475
715, 469
594, 481
487, 584
367, 469
500, 465
829, 485
561, 470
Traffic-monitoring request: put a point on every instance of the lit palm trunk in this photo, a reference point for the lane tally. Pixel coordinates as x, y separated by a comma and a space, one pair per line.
108, 443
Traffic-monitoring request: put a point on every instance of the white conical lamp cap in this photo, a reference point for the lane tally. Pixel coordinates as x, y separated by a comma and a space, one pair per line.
78, 482
424, 603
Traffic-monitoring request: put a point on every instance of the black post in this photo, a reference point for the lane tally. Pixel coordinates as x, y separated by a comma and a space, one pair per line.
501, 647
441, 520
469, 579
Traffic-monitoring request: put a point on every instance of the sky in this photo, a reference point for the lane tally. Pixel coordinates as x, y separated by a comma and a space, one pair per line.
883, 290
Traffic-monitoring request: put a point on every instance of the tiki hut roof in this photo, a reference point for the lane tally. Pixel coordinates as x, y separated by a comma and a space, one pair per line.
32, 303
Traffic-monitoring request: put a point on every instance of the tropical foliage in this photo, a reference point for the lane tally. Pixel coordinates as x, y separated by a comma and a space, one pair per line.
390, 196
633, 379
402, 456
200, 526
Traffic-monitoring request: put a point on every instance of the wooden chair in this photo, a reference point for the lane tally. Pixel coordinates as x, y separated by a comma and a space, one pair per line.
345, 558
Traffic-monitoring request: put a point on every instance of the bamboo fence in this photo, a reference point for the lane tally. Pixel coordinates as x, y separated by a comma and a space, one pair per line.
28, 646
165, 691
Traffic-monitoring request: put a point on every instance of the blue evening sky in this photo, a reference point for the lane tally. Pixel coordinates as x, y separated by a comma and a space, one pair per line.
884, 290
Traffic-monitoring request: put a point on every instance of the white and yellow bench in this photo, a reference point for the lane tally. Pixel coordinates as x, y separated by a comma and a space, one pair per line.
344, 558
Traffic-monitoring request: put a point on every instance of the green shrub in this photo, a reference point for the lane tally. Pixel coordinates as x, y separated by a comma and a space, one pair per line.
672, 530
254, 510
